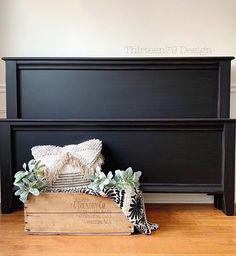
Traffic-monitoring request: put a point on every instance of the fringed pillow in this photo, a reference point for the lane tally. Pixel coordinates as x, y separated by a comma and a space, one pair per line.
69, 168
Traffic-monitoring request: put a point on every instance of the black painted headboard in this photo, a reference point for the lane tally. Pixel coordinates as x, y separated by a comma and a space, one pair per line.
118, 87
168, 117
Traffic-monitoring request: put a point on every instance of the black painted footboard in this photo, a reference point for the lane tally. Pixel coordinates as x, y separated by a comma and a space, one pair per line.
191, 156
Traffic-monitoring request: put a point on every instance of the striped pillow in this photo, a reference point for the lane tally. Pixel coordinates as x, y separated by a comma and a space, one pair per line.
69, 168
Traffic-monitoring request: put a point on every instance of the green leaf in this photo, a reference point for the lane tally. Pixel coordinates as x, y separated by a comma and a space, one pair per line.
101, 186
40, 185
31, 177
129, 172
20, 175
32, 181
31, 165
122, 180
18, 192
120, 187
109, 175
37, 164
24, 166
98, 171
137, 174
23, 196
18, 184
34, 191
106, 182
93, 186
26, 182
102, 175
117, 172
93, 177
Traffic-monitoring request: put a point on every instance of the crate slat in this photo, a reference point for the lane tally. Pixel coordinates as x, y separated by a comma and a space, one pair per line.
74, 214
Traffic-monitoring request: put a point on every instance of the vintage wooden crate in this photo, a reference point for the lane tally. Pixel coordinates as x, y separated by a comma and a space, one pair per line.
74, 214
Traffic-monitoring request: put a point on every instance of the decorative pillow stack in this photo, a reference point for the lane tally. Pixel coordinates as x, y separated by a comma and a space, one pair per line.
69, 168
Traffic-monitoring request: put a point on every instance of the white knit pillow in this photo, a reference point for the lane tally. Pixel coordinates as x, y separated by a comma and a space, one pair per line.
69, 167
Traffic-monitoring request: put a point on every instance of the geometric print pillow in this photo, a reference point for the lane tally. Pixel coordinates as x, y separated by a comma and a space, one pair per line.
69, 168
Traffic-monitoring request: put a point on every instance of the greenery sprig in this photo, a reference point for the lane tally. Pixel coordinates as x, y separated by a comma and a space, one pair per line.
30, 180
122, 180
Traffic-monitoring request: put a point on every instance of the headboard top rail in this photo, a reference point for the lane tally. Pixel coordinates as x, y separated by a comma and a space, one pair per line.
151, 59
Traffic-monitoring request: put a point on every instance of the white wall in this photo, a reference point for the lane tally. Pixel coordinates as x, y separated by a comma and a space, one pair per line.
119, 28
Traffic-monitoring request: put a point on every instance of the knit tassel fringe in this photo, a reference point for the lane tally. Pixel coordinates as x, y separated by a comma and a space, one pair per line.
87, 171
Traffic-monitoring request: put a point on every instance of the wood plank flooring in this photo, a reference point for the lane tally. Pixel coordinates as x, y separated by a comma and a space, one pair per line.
198, 229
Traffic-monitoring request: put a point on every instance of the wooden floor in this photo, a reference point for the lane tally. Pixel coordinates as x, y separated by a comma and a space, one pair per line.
184, 230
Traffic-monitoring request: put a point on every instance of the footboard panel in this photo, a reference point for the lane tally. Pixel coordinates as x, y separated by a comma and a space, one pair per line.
195, 156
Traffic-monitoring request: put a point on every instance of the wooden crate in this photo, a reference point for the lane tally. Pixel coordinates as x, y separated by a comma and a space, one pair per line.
74, 214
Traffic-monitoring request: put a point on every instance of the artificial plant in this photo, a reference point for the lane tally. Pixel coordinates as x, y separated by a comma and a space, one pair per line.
30, 180
122, 180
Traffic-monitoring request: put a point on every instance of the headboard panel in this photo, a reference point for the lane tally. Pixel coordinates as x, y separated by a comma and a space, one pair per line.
118, 88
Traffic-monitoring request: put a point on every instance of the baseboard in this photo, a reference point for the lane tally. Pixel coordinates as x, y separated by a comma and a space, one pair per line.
2, 113
2, 88
177, 198
233, 88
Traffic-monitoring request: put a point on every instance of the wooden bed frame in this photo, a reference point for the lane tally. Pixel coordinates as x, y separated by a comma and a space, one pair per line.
168, 117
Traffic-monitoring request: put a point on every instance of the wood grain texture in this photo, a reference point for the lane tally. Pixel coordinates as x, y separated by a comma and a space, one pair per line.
74, 213
184, 230
70, 203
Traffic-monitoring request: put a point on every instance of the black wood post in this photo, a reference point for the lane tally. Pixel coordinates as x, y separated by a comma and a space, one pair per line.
229, 169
